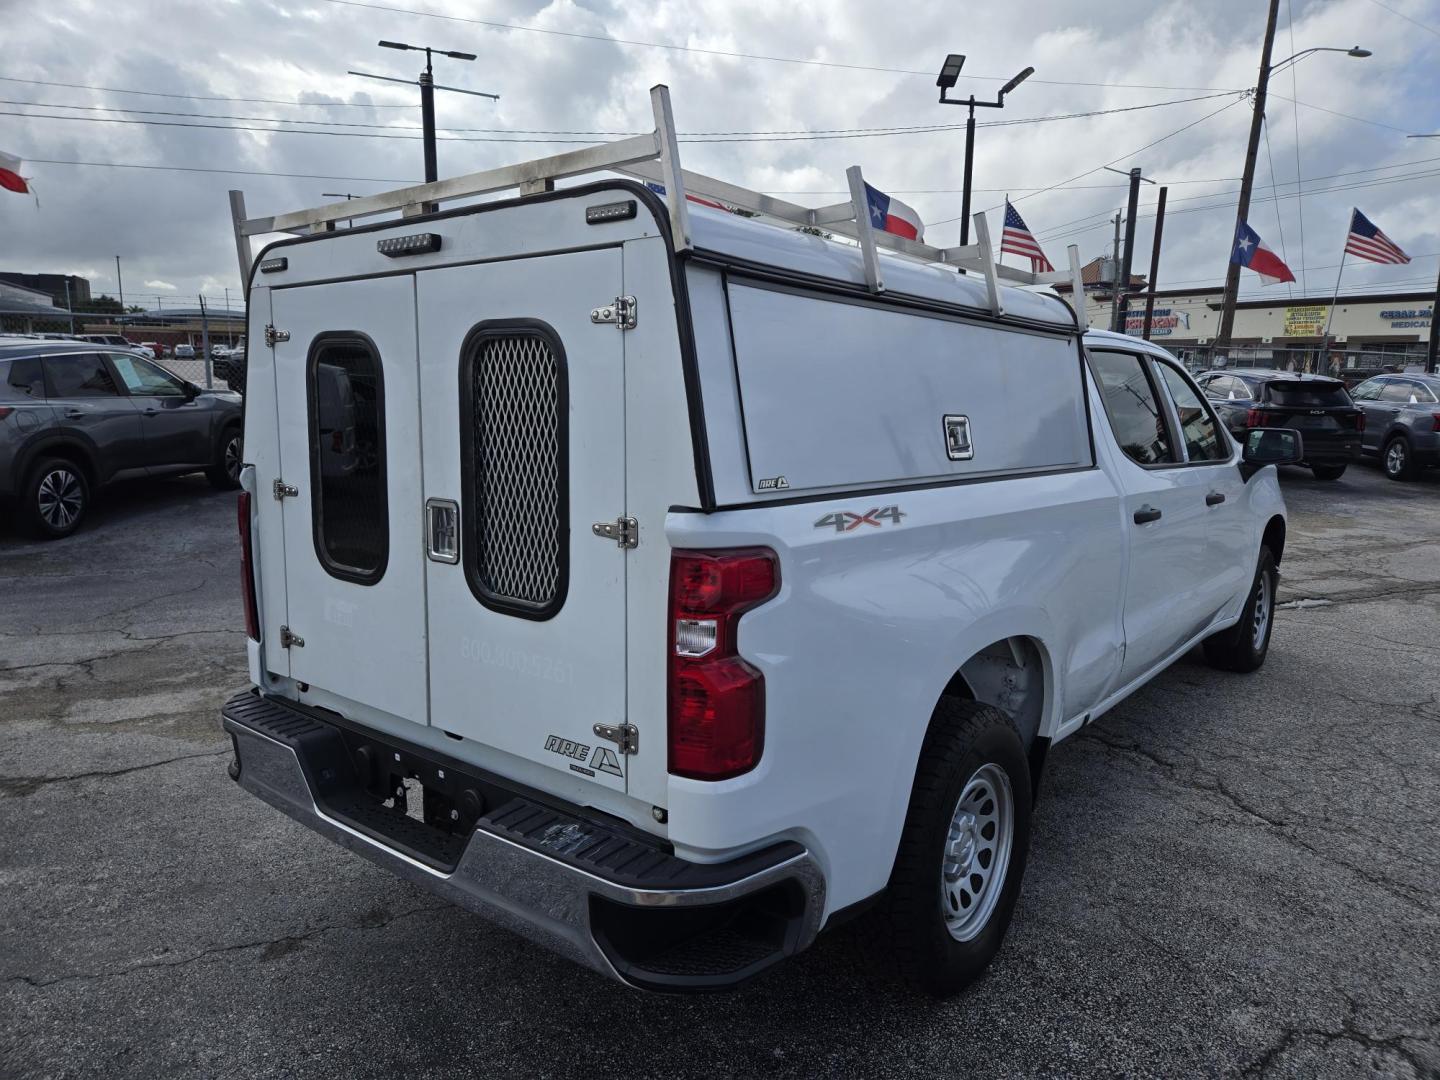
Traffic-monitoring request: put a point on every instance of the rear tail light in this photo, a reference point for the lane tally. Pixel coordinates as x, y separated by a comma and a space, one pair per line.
1436, 418
247, 566
1255, 418
1359, 421
6, 410
716, 699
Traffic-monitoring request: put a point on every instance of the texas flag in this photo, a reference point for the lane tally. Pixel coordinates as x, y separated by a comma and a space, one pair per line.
10, 178
893, 216
1251, 251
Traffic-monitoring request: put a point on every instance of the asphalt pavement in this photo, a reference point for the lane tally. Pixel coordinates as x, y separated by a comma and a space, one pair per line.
1231, 875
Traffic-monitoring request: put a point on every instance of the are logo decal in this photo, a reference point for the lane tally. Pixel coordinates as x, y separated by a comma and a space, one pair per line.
848, 520
556, 745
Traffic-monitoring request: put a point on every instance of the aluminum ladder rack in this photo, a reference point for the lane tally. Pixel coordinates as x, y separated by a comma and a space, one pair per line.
655, 158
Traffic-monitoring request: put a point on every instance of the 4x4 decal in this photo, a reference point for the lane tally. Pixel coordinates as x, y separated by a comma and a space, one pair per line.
849, 520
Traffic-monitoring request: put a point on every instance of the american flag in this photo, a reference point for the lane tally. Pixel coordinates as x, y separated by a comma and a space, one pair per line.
1017, 240
1368, 242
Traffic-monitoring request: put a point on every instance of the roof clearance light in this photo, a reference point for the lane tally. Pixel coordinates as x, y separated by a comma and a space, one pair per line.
396, 247
274, 266
615, 211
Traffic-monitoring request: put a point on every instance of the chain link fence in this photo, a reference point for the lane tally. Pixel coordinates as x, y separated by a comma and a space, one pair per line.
1353, 365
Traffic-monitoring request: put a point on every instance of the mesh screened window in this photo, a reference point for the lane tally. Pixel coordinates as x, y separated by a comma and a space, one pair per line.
513, 418
347, 448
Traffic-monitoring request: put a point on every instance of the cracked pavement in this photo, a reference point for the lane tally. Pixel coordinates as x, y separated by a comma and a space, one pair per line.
1231, 875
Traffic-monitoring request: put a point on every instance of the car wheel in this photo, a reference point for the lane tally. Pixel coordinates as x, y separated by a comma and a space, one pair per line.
1328, 472
1243, 647
1397, 459
225, 473
962, 851
56, 498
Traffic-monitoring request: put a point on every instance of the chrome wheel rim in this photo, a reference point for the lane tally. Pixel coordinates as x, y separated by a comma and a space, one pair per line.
1395, 458
60, 498
1260, 621
232, 457
977, 852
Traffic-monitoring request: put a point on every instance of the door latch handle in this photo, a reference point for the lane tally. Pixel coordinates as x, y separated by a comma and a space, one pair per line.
1215, 498
442, 530
1146, 514
74, 414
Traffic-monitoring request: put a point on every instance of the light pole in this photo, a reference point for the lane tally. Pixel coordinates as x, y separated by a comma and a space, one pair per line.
949, 73
120, 284
1247, 180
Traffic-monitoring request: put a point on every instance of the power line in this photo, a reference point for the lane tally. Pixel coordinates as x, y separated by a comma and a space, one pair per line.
793, 135
671, 47
1285, 255
1347, 116
1407, 18
227, 172
198, 97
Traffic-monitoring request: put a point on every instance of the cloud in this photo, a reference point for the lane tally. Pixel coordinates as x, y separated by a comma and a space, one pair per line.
173, 226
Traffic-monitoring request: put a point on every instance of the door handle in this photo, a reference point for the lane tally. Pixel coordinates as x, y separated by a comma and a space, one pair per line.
151, 411
1146, 514
442, 530
74, 414
1215, 498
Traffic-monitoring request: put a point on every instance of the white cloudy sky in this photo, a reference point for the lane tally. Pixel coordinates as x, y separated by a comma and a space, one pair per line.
171, 227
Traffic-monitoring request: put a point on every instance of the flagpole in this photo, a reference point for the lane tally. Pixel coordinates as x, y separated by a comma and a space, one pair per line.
1330, 315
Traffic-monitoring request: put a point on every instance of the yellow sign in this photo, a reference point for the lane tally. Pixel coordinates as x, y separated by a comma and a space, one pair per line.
1305, 321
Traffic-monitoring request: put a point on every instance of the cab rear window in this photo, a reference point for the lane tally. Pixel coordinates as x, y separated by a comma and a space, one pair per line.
1309, 395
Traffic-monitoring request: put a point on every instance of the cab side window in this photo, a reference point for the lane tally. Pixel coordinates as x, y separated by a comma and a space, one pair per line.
1397, 390
1133, 407
145, 379
1198, 429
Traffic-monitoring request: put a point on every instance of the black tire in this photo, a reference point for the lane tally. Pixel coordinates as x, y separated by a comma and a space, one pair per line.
55, 499
1397, 459
965, 740
1243, 647
1328, 472
224, 474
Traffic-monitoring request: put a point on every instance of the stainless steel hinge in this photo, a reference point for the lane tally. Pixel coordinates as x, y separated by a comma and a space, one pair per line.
290, 639
627, 735
282, 489
622, 312
272, 335
624, 531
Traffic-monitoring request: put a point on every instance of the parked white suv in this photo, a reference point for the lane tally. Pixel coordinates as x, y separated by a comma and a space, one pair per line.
687, 602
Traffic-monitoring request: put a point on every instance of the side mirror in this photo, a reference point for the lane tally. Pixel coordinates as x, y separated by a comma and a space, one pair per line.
191, 391
1271, 446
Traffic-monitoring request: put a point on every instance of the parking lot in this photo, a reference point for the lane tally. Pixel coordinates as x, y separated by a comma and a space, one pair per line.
1231, 875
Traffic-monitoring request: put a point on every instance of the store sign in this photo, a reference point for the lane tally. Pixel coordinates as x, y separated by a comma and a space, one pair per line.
1408, 318
1305, 321
1163, 322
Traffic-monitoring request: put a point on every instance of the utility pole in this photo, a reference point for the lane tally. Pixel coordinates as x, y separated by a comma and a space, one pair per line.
1247, 180
1131, 207
68, 305
1155, 262
120, 284
1115, 279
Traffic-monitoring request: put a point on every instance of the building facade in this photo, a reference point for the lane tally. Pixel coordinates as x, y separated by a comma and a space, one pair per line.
53, 285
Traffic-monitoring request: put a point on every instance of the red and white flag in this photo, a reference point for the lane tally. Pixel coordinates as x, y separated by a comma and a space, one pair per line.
10, 178
1017, 239
893, 216
1368, 242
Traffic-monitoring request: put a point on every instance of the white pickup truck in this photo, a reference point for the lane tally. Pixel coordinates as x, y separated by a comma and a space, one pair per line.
650, 580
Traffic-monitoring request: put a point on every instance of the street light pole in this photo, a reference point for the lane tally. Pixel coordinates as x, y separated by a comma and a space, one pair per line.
120, 284
1247, 181
949, 74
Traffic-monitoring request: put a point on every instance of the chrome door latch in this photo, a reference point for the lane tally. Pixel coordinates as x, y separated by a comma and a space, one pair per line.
442, 530
624, 531
621, 312
272, 335
283, 490
290, 639
626, 735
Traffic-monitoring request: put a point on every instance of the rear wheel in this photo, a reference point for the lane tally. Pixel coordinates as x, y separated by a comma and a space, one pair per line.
225, 473
56, 498
1243, 647
962, 853
1399, 463
1328, 472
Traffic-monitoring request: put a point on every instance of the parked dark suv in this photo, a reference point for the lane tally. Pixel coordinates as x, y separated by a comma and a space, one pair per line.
1402, 422
74, 416
1319, 407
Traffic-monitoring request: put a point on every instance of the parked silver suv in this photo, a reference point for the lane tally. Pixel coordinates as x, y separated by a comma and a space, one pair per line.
1402, 422
74, 416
